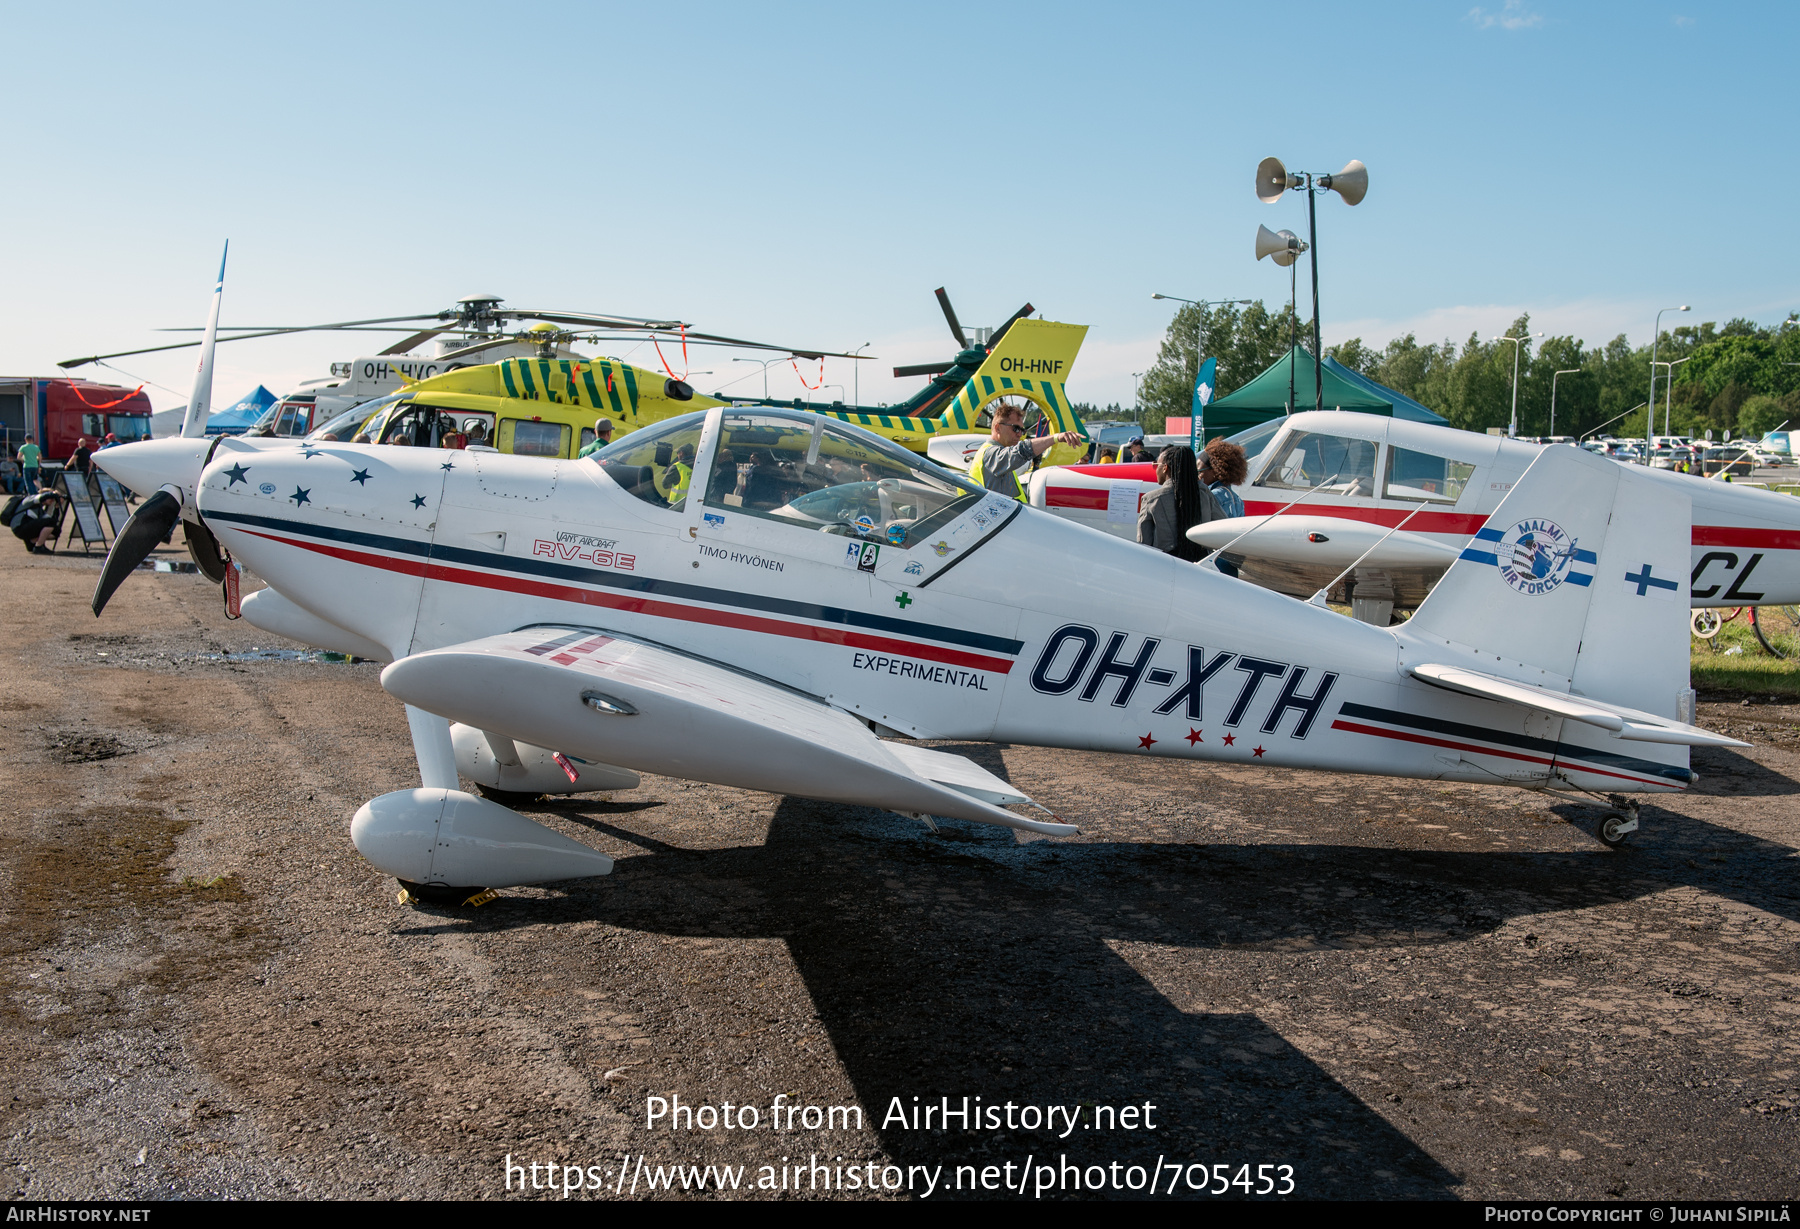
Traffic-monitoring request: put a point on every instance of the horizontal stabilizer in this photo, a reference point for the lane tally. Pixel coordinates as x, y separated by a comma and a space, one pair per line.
621, 701
1621, 722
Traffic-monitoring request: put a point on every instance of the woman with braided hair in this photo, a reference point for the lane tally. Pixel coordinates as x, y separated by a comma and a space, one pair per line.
1176, 506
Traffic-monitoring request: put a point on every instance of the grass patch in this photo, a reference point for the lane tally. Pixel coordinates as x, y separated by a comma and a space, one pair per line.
1734, 664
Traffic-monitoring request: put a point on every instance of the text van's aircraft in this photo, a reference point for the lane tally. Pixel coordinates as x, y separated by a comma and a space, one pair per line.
777, 623
1403, 500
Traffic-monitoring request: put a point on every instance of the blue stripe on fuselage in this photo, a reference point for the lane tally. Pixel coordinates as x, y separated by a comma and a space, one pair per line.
1523, 742
637, 584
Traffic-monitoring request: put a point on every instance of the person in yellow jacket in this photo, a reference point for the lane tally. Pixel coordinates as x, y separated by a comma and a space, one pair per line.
674, 481
1007, 452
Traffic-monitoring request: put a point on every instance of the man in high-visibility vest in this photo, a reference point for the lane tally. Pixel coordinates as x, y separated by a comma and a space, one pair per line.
673, 481
1007, 452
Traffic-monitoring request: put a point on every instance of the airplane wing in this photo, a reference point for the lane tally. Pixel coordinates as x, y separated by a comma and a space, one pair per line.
602, 696
1621, 722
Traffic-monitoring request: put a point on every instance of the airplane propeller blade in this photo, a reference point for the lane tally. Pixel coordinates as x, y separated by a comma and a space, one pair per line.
199, 406
150, 524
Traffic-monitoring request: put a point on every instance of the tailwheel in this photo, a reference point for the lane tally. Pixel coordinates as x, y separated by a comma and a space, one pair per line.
442, 894
1706, 623
506, 797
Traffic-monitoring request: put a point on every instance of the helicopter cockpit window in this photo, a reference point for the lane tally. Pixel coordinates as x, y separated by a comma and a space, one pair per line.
655, 464
1335, 464
424, 426
294, 417
810, 474
1425, 477
346, 425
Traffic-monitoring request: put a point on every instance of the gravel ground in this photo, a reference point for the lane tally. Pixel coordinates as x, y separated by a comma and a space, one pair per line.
1399, 989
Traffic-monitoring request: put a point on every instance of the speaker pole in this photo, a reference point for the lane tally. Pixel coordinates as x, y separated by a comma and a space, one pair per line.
1293, 327
1312, 234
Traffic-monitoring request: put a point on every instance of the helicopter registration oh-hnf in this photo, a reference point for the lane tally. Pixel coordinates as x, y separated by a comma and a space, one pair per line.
1401, 501
811, 588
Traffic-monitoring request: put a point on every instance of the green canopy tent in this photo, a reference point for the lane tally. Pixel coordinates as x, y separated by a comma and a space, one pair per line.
1266, 396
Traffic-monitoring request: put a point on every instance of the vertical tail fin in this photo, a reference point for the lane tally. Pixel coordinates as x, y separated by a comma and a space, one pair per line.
1578, 583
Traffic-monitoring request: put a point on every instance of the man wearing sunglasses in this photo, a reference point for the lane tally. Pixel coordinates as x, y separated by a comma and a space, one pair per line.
1007, 452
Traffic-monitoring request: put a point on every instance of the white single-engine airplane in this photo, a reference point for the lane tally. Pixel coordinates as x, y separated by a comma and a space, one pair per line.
813, 590
1402, 500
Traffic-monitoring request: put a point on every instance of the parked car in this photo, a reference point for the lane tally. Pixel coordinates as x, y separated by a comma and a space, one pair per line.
1730, 459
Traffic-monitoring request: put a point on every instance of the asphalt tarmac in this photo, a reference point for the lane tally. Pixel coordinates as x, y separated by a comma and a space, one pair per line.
1394, 989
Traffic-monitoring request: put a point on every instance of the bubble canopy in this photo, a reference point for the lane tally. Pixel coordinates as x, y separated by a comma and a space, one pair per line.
802, 470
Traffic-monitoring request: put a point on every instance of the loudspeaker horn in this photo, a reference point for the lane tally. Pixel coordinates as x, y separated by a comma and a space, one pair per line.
1283, 245
1272, 179
1351, 183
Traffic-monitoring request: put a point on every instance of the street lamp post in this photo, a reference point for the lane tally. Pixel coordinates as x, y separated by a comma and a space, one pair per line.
856, 371
1668, 386
765, 366
1567, 371
1199, 341
1513, 431
1137, 398
840, 389
1650, 415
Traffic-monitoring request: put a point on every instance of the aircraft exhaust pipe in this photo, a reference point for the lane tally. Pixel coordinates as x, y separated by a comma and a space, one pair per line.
445, 838
151, 523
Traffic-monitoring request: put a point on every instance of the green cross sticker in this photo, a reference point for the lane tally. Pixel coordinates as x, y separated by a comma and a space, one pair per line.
903, 599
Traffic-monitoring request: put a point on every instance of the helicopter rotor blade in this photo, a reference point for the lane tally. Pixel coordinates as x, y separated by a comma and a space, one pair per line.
407, 343
301, 328
589, 319
924, 369
479, 346
348, 326
956, 329
1010, 321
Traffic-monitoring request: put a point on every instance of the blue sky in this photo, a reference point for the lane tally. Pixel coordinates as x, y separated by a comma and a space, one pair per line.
808, 174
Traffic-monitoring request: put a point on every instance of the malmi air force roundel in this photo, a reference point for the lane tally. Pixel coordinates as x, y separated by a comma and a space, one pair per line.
1534, 556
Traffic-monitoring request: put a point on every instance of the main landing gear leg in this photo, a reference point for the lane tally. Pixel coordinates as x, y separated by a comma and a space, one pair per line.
1618, 823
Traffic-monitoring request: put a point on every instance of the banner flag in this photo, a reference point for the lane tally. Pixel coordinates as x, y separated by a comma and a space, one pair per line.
1203, 395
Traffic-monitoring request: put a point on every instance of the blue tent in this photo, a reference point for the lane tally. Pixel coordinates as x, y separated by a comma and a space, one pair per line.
1404, 407
242, 416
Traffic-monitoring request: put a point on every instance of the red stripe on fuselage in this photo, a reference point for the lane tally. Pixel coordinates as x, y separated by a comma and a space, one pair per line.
652, 606
1358, 728
1465, 523
1076, 497
1741, 536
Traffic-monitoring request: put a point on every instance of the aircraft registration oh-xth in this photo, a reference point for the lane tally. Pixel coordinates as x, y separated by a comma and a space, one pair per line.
818, 592
1403, 500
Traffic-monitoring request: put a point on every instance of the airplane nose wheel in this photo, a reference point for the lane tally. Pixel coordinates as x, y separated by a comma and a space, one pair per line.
1618, 824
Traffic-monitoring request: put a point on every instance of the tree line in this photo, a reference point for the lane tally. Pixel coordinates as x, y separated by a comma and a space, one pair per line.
1743, 377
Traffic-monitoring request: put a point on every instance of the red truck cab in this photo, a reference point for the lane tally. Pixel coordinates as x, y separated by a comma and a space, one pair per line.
58, 411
